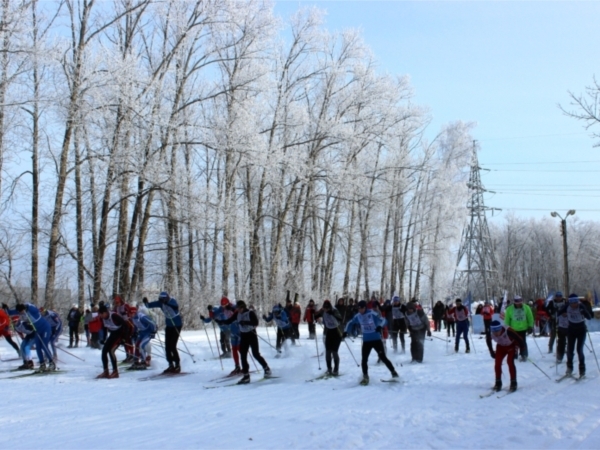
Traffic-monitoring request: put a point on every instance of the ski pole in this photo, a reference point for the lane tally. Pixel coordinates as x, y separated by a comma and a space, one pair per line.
220, 356
317, 345
208, 337
537, 345
588, 347
472, 339
264, 340
538, 368
592, 344
441, 339
69, 353
352, 354
268, 336
254, 361
184, 344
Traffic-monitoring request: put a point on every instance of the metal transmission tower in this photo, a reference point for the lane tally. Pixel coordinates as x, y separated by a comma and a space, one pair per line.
476, 270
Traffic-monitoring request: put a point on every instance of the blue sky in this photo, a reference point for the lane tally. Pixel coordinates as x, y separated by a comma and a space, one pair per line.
505, 66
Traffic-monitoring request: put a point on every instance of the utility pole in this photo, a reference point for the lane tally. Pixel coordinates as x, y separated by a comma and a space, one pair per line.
563, 232
476, 265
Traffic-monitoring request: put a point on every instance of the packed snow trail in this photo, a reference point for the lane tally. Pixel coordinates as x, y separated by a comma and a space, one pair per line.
436, 404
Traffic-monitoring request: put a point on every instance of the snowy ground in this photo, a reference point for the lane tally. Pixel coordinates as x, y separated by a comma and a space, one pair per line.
438, 406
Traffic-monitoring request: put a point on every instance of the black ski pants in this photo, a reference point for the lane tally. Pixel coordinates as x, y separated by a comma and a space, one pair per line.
417, 344
250, 341
367, 346
576, 340
171, 338
333, 339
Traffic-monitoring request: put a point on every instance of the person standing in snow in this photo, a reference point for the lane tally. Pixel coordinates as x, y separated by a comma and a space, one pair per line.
576, 312
450, 320
247, 322
487, 313
332, 320
519, 317
146, 331
220, 315
73, 319
56, 327
438, 315
398, 325
29, 313
120, 330
295, 317
224, 331
507, 340
418, 326
461, 316
552, 308
173, 326
309, 318
284, 327
371, 326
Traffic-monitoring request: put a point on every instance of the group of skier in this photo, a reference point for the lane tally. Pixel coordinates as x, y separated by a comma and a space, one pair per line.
134, 328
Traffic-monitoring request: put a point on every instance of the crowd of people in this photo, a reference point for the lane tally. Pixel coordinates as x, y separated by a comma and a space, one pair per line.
507, 324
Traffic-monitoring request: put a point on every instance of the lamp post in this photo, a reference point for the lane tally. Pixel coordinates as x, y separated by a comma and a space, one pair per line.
563, 232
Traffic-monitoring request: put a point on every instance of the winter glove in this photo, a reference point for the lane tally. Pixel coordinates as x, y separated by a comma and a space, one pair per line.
428, 333
145, 300
209, 307
344, 335
264, 318
4, 306
523, 358
493, 354
378, 330
202, 317
529, 330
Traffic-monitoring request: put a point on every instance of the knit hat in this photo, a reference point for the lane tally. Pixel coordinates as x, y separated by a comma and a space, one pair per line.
518, 299
558, 294
495, 326
163, 296
573, 298
362, 304
458, 300
224, 301
241, 304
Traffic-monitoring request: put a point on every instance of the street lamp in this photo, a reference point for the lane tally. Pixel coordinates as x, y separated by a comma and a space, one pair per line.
563, 232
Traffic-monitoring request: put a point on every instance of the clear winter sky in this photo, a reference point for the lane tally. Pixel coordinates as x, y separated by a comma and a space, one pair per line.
506, 66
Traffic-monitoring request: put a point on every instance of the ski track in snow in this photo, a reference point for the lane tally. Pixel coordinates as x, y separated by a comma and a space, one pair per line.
438, 406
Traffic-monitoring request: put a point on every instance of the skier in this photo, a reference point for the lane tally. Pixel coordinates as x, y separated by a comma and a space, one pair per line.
27, 333
56, 326
284, 328
41, 328
309, 318
418, 325
96, 326
126, 312
507, 340
461, 316
371, 326
552, 308
5, 330
173, 326
120, 330
576, 312
247, 322
220, 315
487, 312
225, 331
146, 331
519, 317
295, 316
438, 315
333, 336
73, 319
398, 325
450, 321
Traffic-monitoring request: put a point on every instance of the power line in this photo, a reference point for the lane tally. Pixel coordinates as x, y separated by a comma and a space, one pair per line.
543, 162
532, 136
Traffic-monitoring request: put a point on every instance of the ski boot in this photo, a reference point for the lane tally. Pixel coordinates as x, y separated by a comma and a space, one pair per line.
235, 371
335, 372
569, 371
42, 367
148, 360
245, 379
51, 367
395, 374
513, 386
114, 374
103, 374
365, 380
168, 370
468, 350
176, 369
267, 372
498, 386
